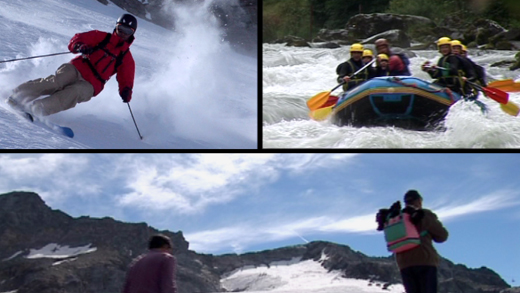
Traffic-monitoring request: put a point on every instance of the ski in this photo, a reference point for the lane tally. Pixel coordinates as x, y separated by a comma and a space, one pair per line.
63, 130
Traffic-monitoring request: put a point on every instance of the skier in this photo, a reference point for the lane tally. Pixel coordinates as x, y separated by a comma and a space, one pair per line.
102, 55
154, 271
418, 266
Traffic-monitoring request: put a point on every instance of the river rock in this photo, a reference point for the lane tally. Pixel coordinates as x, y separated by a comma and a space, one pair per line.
293, 41
326, 45
362, 26
486, 29
395, 37
339, 35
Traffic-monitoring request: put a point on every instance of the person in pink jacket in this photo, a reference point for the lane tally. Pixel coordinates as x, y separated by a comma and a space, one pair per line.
153, 272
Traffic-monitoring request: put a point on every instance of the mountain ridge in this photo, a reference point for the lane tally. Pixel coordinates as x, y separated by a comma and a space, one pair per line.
27, 225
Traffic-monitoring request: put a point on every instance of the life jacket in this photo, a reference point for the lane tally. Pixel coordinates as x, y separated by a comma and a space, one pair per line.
446, 77
355, 80
406, 62
382, 72
400, 233
480, 72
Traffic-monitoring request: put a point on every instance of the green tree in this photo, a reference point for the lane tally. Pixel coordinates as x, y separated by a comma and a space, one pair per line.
334, 14
288, 17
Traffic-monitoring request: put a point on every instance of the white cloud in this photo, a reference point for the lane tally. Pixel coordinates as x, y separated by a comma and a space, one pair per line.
358, 224
299, 163
249, 234
494, 201
189, 183
240, 237
39, 166
53, 176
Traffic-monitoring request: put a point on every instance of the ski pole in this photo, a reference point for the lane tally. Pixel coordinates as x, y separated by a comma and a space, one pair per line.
4, 61
134, 121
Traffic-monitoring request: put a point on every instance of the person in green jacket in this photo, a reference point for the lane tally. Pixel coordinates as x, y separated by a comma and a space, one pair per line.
418, 266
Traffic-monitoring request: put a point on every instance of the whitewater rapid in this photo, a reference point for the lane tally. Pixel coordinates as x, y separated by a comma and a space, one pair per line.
292, 75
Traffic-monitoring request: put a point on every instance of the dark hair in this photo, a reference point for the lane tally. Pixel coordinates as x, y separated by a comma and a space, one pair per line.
158, 241
411, 196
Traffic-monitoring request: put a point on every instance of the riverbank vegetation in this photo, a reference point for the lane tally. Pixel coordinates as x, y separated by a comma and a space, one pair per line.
304, 18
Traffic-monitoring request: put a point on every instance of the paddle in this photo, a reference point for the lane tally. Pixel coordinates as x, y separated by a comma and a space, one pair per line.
507, 85
325, 110
502, 97
493, 93
320, 99
321, 113
497, 95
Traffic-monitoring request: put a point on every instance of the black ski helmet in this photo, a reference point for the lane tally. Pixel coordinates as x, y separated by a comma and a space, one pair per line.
128, 20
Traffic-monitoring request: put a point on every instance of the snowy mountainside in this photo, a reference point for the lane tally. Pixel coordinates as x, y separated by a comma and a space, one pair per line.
191, 91
326, 267
299, 276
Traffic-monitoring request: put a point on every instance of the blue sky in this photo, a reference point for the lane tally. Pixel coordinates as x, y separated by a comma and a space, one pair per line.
247, 202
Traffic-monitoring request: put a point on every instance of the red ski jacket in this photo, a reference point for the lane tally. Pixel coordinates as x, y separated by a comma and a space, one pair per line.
103, 62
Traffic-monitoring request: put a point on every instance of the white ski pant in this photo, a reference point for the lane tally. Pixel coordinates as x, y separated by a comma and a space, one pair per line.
65, 89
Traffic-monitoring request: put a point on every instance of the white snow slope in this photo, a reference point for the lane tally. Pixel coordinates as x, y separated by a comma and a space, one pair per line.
192, 91
298, 276
54, 250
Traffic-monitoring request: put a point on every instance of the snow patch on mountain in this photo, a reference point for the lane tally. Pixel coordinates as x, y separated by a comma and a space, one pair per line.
64, 261
13, 256
54, 250
298, 276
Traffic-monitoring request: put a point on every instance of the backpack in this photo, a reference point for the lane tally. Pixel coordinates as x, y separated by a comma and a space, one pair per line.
400, 233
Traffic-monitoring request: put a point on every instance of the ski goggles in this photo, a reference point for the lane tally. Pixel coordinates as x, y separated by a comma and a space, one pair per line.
125, 29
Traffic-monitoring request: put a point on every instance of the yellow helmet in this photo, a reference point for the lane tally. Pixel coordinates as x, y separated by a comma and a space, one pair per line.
464, 48
356, 48
368, 53
443, 41
382, 57
456, 43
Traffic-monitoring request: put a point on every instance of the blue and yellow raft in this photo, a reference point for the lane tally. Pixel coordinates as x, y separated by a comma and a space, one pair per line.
401, 101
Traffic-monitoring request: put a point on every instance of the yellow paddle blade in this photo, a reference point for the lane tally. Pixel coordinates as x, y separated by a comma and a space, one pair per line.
321, 113
318, 100
510, 108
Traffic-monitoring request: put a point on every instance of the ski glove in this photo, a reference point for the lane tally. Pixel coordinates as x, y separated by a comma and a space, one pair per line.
83, 49
126, 94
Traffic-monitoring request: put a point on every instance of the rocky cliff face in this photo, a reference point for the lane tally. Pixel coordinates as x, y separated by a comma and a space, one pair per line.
92, 255
239, 22
27, 224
